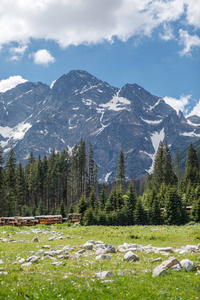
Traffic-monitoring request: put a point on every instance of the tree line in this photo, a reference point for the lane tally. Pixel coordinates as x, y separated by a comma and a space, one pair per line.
167, 192
45, 186
67, 182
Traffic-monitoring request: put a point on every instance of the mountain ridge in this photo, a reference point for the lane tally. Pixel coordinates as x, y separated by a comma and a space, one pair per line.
35, 117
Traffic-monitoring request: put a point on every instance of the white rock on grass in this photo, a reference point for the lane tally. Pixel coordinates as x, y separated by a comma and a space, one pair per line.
1, 262
104, 274
57, 263
46, 246
28, 264
35, 239
161, 269
3, 273
40, 252
88, 246
103, 256
21, 261
32, 259
187, 264
176, 267
166, 249
130, 256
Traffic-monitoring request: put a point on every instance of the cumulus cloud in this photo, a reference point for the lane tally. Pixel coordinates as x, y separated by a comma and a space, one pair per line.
11, 82
17, 52
43, 57
89, 22
178, 104
195, 111
188, 41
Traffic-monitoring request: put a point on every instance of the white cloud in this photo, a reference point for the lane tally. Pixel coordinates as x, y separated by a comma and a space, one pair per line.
178, 104
195, 111
168, 32
11, 82
87, 22
43, 57
188, 41
17, 52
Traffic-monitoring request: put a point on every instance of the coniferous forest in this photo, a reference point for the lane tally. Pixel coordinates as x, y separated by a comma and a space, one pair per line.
66, 182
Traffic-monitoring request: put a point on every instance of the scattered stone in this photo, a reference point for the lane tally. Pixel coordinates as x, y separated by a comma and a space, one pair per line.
81, 251
51, 239
191, 248
88, 246
110, 249
32, 252
130, 256
57, 263
159, 271
172, 261
104, 274
176, 267
28, 264
40, 252
46, 246
35, 239
21, 261
1, 262
166, 249
187, 264
198, 246
32, 259
103, 256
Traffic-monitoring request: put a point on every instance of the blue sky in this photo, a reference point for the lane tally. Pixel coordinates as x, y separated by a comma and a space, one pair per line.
155, 44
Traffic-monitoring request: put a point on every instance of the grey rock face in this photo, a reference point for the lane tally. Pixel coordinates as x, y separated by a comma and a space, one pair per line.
82, 106
187, 264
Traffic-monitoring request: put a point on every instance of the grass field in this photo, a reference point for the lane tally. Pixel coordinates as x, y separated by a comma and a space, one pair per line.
75, 277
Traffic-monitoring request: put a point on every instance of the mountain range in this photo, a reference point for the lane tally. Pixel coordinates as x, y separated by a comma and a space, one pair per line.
35, 117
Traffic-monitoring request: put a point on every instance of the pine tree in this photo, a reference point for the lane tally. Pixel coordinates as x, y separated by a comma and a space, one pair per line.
62, 209
20, 187
192, 167
102, 198
174, 214
140, 217
88, 218
196, 211
176, 163
10, 181
157, 176
2, 182
155, 213
131, 198
169, 176
121, 170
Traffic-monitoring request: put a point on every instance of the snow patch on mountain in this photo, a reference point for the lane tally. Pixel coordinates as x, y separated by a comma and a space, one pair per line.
116, 103
151, 122
193, 124
156, 138
152, 107
107, 176
191, 134
15, 133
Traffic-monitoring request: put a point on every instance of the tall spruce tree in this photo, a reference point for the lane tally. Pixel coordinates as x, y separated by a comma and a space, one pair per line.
169, 176
192, 167
121, 170
2, 182
157, 176
174, 214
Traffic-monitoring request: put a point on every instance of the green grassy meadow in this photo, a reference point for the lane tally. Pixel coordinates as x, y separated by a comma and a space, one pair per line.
75, 278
